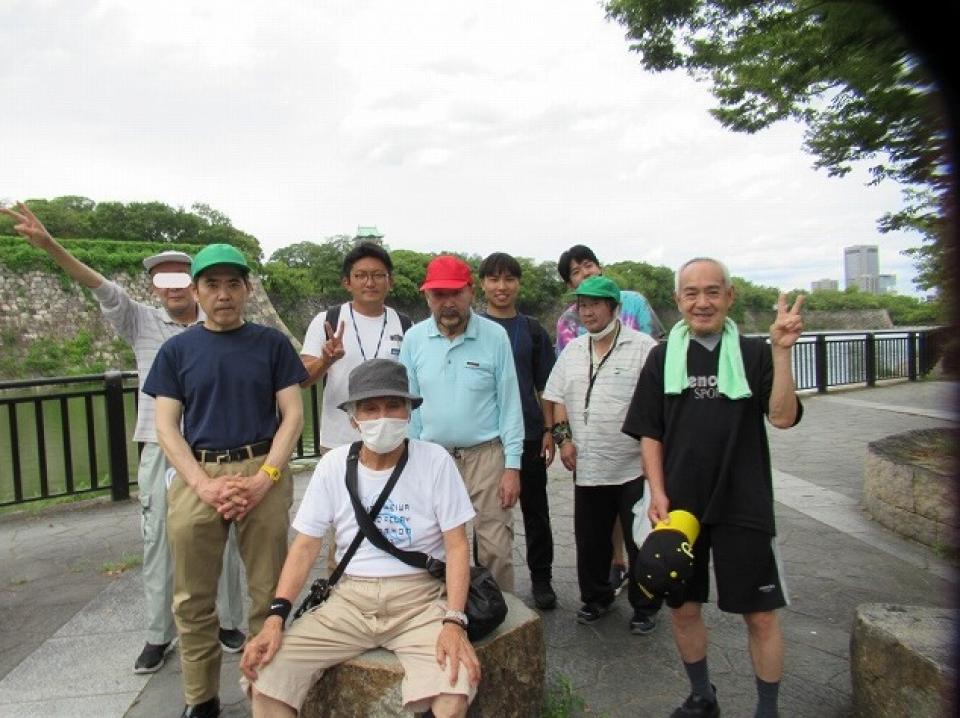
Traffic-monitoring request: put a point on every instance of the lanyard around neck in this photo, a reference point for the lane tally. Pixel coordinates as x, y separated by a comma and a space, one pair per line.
592, 373
356, 333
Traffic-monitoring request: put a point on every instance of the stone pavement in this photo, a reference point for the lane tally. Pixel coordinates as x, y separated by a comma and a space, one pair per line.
69, 633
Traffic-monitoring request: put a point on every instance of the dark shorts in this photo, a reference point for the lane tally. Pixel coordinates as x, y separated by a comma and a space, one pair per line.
747, 568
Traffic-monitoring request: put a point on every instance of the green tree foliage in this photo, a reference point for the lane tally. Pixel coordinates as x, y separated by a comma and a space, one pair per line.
81, 218
655, 283
842, 68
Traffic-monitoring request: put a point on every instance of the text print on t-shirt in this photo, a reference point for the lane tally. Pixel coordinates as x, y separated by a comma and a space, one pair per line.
393, 521
704, 387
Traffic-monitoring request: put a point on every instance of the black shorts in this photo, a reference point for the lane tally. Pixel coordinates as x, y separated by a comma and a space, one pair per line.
747, 568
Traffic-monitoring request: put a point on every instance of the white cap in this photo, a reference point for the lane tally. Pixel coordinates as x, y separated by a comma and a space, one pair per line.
168, 256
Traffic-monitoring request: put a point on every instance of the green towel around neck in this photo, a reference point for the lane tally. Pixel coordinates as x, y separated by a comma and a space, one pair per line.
731, 377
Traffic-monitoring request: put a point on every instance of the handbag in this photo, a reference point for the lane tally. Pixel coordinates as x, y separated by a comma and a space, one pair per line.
320, 588
486, 608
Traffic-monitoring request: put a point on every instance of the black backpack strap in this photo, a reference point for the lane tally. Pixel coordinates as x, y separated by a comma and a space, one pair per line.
405, 322
366, 521
333, 316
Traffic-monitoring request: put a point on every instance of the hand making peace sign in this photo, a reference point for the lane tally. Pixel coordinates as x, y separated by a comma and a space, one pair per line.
788, 326
29, 226
333, 347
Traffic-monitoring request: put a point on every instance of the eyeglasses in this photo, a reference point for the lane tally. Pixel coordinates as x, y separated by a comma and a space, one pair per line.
364, 277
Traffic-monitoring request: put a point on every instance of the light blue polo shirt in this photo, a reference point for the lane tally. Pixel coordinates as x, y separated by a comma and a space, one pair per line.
469, 386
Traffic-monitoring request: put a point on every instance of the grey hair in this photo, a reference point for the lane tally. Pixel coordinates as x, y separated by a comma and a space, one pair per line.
727, 282
351, 407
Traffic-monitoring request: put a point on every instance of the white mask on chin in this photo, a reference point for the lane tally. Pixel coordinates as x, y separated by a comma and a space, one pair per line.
381, 436
606, 331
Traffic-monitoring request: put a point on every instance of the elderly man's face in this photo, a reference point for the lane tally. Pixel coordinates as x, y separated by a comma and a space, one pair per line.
703, 298
176, 301
451, 308
382, 407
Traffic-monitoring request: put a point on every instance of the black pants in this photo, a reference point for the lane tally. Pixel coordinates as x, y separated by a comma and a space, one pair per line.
595, 509
536, 512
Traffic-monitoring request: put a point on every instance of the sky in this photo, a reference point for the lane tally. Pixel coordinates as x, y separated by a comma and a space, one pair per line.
523, 127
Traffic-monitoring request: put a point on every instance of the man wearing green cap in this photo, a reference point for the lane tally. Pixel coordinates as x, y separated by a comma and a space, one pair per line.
145, 327
235, 387
594, 378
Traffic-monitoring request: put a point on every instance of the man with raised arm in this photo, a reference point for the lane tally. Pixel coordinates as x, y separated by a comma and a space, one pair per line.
340, 338
145, 327
698, 412
380, 601
234, 388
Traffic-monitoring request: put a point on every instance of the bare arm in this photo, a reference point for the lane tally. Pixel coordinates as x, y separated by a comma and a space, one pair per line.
168, 412
260, 650
32, 229
653, 467
784, 332
452, 642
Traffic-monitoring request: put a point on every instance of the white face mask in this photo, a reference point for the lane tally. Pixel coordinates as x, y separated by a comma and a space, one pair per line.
381, 436
606, 331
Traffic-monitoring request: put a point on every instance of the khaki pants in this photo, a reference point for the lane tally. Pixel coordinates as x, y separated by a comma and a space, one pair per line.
481, 468
197, 535
400, 613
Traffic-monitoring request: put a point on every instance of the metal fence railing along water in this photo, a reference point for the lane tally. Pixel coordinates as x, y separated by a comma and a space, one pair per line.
72, 436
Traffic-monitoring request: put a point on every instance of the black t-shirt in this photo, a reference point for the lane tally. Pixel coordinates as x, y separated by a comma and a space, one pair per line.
534, 358
227, 382
716, 456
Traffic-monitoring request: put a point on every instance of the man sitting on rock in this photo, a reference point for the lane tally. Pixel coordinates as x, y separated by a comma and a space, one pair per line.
380, 601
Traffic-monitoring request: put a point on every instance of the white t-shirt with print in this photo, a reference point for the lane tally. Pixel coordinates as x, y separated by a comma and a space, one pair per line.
335, 427
428, 499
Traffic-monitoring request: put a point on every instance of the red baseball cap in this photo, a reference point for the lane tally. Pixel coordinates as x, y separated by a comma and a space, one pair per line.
447, 272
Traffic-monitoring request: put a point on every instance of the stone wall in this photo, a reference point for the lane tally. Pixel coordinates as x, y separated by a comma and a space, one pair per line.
40, 305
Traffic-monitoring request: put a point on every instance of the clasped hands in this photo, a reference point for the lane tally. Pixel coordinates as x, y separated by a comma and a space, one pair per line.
234, 495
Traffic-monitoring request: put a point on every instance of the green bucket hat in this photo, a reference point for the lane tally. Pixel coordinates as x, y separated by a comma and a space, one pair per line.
218, 254
598, 286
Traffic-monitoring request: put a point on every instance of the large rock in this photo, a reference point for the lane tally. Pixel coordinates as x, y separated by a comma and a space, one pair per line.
900, 660
513, 664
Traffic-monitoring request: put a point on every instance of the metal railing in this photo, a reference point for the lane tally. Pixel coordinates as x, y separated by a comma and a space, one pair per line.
73, 442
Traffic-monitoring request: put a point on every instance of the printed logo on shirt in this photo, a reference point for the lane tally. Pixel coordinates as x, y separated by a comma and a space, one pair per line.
704, 387
767, 589
393, 521
473, 364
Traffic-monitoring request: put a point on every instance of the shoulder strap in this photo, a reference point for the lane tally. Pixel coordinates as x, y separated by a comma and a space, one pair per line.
405, 321
351, 479
333, 316
365, 521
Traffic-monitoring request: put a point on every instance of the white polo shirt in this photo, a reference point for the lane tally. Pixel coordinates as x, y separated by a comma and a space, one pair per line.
605, 455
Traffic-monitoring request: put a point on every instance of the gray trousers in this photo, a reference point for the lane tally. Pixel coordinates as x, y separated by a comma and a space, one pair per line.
157, 562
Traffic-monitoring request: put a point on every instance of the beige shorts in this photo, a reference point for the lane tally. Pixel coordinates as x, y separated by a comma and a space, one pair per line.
401, 614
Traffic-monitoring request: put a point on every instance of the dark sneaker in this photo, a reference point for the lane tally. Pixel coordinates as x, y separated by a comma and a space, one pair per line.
543, 596
152, 656
618, 578
232, 640
641, 624
591, 612
698, 707
208, 709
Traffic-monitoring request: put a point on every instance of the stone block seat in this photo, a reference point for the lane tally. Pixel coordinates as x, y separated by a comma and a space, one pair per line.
512, 660
901, 660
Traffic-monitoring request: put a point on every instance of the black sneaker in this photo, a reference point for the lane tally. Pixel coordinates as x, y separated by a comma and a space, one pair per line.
208, 709
232, 640
641, 624
543, 596
698, 707
591, 612
618, 578
152, 656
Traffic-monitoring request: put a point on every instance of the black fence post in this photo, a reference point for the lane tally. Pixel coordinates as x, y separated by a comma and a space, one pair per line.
922, 347
116, 436
912, 356
820, 362
870, 358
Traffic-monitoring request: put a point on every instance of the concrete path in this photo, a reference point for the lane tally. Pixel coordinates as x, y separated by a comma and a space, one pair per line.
69, 633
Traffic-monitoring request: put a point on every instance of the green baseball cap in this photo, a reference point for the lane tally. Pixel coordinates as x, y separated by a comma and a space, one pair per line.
598, 286
218, 254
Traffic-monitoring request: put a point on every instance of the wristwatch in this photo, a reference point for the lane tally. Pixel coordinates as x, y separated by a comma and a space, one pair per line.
272, 471
458, 617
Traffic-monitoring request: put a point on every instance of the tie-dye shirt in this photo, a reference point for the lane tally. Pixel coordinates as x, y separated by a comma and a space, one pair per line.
635, 312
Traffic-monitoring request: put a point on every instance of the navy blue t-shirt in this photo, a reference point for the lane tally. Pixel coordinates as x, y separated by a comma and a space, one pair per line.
534, 358
227, 382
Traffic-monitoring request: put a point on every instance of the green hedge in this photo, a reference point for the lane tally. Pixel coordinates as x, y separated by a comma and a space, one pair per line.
107, 256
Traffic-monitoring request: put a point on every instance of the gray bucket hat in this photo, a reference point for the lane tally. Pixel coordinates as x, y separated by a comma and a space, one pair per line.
379, 377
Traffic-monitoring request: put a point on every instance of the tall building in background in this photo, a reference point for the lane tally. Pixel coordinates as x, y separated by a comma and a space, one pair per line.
825, 285
861, 267
887, 284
